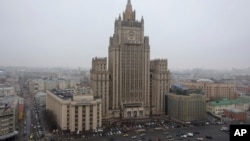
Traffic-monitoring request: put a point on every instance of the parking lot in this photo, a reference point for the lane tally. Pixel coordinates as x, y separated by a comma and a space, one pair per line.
153, 130
210, 132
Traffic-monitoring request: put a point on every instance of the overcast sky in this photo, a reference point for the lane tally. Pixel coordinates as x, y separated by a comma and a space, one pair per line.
211, 34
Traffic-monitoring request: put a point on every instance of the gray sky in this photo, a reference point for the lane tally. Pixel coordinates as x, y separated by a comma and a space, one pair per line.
212, 34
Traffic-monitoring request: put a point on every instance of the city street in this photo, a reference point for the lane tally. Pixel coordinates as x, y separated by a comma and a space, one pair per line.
26, 129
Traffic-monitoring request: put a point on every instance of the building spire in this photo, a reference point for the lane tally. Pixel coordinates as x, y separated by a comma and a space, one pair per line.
129, 2
129, 7
129, 14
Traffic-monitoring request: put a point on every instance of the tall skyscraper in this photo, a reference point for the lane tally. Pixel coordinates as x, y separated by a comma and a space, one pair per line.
128, 84
129, 66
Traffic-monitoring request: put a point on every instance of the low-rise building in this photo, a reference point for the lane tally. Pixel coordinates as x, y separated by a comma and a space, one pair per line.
76, 113
235, 114
217, 107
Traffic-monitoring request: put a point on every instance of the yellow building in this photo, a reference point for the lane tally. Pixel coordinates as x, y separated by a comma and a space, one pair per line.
213, 90
75, 113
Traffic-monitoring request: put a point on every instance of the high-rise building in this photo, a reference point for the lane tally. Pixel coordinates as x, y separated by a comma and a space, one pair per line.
124, 82
129, 60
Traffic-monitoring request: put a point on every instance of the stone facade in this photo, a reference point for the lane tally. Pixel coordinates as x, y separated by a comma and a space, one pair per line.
123, 81
159, 78
100, 82
76, 113
186, 108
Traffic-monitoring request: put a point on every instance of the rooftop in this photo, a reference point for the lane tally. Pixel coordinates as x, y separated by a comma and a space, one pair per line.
205, 80
62, 94
234, 110
182, 90
40, 94
229, 102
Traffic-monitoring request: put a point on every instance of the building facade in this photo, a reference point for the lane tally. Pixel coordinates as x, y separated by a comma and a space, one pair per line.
40, 98
159, 85
186, 108
6, 91
40, 85
235, 114
100, 83
213, 90
75, 113
123, 81
7, 122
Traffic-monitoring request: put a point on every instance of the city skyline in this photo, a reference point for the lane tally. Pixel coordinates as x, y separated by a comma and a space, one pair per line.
190, 34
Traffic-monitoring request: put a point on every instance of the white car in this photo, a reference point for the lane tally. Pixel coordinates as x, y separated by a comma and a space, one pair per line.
142, 135
190, 134
200, 139
184, 136
133, 137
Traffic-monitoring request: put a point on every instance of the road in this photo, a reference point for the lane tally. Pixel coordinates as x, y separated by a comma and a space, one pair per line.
28, 102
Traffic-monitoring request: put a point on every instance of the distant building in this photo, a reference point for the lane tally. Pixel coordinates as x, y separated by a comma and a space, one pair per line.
185, 105
235, 114
217, 107
36, 85
40, 85
213, 90
6, 91
17, 104
7, 122
20, 108
40, 98
76, 113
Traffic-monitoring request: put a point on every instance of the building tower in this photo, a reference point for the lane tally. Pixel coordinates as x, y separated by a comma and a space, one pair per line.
129, 94
100, 82
129, 67
159, 80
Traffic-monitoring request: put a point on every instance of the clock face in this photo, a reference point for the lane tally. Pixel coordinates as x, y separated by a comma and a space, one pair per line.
131, 35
